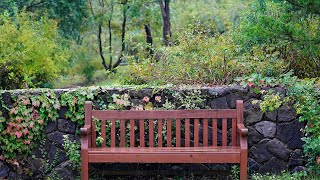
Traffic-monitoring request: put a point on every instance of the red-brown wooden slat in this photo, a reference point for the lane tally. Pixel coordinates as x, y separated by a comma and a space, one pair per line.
151, 133
103, 133
178, 132
141, 128
224, 132
159, 132
164, 114
94, 135
122, 133
214, 132
196, 132
187, 132
169, 133
113, 133
234, 132
205, 132
132, 144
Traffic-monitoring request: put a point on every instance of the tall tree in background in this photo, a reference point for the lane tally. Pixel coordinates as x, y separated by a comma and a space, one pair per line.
165, 10
104, 15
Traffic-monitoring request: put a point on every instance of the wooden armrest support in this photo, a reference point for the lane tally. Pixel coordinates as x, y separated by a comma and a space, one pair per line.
242, 130
86, 130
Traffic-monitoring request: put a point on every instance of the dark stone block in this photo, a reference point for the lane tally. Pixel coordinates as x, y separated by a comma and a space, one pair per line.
40, 150
51, 126
253, 165
253, 136
252, 116
286, 114
57, 137
36, 166
279, 149
62, 111
56, 155
4, 170
298, 169
218, 91
274, 165
271, 116
291, 134
233, 97
219, 103
296, 158
260, 152
266, 128
66, 126
65, 171
140, 93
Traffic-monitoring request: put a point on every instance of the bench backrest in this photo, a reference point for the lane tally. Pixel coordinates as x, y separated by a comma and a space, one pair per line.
164, 128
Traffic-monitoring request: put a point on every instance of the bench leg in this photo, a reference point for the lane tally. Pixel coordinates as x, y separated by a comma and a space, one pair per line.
244, 165
84, 167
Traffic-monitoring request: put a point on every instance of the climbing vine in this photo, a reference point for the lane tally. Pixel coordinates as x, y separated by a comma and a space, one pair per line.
304, 96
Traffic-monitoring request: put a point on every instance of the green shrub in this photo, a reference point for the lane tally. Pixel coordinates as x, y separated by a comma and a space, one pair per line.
30, 51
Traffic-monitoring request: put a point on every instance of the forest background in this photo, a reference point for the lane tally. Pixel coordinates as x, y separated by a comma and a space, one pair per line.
64, 43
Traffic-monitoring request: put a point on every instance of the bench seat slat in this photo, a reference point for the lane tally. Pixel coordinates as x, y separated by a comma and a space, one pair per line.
163, 149
160, 114
165, 155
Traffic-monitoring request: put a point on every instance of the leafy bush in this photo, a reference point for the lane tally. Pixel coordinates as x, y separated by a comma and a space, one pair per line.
30, 51
304, 96
277, 31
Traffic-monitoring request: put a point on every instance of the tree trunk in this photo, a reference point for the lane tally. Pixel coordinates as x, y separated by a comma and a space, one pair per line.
123, 34
165, 10
150, 50
110, 43
106, 67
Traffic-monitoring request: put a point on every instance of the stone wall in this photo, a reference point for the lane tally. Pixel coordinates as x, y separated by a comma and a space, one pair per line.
274, 138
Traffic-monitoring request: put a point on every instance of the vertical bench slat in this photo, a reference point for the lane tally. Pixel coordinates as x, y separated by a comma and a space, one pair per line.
187, 132
132, 133
214, 132
224, 132
205, 132
178, 132
94, 135
159, 132
122, 133
196, 132
151, 133
113, 133
169, 133
103, 133
141, 128
234, 132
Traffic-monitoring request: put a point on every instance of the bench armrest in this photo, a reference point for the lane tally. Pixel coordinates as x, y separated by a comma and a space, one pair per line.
86, 130
242, 130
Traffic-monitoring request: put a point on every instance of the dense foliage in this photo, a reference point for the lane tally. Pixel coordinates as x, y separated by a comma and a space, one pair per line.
30, 51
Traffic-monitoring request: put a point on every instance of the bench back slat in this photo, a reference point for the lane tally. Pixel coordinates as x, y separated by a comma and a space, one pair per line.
214, 132
187, 133
132, 128
196, 133
205, 132
113, 133
122, 133
103, 133
224, 132
234, 132
141, 132
160, 132
178, 132
151, 133
169, 132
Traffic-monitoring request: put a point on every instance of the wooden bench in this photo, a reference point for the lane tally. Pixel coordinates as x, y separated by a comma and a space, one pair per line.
136, 143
